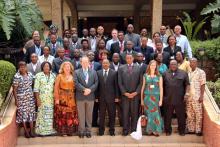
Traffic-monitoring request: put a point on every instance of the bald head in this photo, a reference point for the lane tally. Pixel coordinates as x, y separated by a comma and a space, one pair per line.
177, 30
130, 28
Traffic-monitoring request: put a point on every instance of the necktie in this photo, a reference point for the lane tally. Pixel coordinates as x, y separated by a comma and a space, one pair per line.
53, 49
85, 73
129, 68
121, 47
105, 76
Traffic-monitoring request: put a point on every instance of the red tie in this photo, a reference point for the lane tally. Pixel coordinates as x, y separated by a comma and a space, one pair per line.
129, 68
121, 47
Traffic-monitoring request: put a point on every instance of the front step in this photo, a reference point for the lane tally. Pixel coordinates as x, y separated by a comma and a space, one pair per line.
107, 140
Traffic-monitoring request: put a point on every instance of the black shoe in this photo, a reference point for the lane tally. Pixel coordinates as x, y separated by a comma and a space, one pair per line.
112, 133
168, 133
101, 133
125, 134
199, 134
88, 135
182, 134
81, 135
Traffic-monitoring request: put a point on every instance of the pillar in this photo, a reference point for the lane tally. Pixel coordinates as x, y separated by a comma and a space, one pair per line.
74, 13
137, 20
156, 14
57, 14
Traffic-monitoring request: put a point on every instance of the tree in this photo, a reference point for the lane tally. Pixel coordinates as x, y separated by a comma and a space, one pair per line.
23, 12
213, 9
191, 27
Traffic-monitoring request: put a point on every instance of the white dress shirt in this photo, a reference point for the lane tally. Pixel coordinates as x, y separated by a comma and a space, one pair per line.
183, 42
43, 58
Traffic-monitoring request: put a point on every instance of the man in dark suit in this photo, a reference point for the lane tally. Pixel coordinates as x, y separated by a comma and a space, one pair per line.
76, 59
115, 65
86, 81
130, 81
107, 94
95, 66
176, 92
159, 50
59, 60
54, 44
34, 66
140, 63
129, 50
119, 46
146, 50
115, 62
37, 49
76, 43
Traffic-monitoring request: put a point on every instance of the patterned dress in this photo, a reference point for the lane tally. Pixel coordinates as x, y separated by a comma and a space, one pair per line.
65, 113
44, 86
25, 98
151, 105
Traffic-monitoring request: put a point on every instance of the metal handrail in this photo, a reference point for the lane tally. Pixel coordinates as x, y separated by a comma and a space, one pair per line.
6, 105
212, 100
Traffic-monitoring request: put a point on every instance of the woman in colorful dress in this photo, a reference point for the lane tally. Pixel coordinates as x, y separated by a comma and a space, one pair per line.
43, 91
152, 98
24, 99
65, 115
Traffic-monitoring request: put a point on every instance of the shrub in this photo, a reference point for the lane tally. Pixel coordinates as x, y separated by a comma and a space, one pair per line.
212, 50
7, 71
214, 88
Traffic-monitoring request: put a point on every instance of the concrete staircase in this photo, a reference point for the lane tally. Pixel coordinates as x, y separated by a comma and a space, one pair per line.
113, 141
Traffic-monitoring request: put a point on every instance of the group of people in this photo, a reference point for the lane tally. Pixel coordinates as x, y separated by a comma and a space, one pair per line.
66, 84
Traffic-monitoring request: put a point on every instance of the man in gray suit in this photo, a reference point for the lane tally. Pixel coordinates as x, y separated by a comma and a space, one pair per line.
86, 81
76, 42
129, 81
34, 66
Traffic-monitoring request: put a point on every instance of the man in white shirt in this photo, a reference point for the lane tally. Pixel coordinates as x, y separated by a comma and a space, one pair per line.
92, 39
113, 40
46, 56
163, 35
182, 41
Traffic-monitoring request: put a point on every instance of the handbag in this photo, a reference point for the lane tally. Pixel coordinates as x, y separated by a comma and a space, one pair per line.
143, 118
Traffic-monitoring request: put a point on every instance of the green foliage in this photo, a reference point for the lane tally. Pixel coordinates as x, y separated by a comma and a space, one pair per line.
213, 8
25, 12
7, 71
214, 88
212, 50
191, 28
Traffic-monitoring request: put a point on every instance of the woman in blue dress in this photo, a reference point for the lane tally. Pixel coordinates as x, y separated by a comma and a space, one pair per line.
162, 68
152, 98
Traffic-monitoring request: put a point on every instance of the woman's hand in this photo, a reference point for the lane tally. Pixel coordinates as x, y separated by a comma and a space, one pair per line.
160, 103
142, 103
38, 102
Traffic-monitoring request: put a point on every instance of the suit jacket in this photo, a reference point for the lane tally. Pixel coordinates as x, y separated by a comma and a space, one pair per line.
166, 58
30, 51
147, 51
112, 66
123, 55
58, 45
56, 64
115, 48
81, 84
143, 68
129, 82
31, 70
96, 66
75, 65
78, 45
171, 52
107, 91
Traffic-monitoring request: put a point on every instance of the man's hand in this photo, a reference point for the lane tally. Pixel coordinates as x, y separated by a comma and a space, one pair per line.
87, 91
201, 99
38, 102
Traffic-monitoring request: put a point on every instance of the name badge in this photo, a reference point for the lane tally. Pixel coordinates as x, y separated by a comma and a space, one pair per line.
152, 86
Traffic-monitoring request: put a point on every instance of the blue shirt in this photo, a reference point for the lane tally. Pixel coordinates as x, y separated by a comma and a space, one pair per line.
183, 42
109, 43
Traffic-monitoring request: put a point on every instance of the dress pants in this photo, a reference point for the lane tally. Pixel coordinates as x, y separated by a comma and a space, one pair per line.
130, 113
95, 114
110, 107
84, 108
194, 116
180, 113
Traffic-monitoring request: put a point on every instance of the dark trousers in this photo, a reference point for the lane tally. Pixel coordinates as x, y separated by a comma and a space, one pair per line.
130, 113
95, 114
180, 113
110, 107
119, 112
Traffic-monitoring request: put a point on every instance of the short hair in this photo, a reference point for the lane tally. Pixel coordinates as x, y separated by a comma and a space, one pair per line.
158, 41
121, 32
156, 33
21, 63
181, 54
193, 59
61, 71
46, 47
84, 40
44, 63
